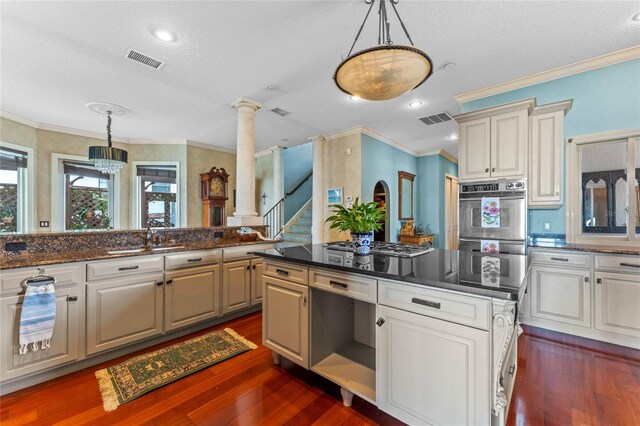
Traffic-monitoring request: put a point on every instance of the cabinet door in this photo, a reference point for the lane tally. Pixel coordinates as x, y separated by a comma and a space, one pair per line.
475, 149
236, 286
430, 371
123, 311
546, 160
618, 303
257, 268
561, 294
509, 135
191, 296
64, 341
285, 319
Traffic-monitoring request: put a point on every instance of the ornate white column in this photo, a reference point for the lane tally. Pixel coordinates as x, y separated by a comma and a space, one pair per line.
317, 221
245, 214
278, 182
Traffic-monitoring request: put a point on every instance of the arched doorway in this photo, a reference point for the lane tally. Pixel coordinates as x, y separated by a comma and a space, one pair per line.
381, 196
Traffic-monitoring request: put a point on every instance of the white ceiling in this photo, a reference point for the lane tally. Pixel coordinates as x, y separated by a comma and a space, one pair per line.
57, 55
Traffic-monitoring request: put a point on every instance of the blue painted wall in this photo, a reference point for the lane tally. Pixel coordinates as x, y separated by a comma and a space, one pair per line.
383, 162
297, 162
603, 99
431, 206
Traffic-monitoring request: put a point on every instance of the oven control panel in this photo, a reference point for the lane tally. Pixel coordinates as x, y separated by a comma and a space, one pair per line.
491, 187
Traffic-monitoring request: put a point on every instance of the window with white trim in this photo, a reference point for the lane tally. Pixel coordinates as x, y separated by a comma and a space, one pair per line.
158, 196
603, 174
88, 196
13, 190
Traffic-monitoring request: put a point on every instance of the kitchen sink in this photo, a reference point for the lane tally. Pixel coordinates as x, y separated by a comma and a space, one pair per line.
139, 250
166, 248
144, 249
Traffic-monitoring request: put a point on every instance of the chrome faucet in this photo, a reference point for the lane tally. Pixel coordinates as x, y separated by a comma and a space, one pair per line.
148, 237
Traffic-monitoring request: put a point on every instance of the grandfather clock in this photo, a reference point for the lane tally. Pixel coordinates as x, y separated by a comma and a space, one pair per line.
213, 191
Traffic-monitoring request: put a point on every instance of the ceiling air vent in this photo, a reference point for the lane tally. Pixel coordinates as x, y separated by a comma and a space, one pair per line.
436, 118
144, 59
280, 111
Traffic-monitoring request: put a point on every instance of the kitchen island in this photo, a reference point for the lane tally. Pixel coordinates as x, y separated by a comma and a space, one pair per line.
429, 339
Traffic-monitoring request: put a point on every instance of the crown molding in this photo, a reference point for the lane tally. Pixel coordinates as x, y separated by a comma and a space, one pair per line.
342, 133
441, 152
563, 106
78, 132
612, 58
367, 131
19, 119
529, 104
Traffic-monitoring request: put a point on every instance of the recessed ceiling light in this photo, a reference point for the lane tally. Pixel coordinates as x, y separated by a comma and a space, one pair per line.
271, 86
163, 35
415, 104
355, 98
449, 66
453, 137
636, 17
284, 140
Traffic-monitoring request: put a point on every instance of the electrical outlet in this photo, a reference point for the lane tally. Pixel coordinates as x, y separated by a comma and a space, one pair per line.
547, 226
217, 234
18, 246
44, 224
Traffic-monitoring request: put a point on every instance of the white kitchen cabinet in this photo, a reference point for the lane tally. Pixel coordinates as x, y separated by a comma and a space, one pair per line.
546, 155
494, 141
64, 341
190, 296
561, 294
617, 307
123, 311
285, 319
475, 149
257, 269
430, 371
236, 285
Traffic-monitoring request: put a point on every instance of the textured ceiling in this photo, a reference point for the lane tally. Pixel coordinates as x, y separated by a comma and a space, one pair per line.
55, 56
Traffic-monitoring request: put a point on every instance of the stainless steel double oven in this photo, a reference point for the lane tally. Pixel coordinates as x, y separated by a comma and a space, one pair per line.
511, 203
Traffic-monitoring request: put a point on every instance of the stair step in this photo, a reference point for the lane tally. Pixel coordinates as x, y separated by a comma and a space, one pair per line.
304, 221
296, 237
301, 229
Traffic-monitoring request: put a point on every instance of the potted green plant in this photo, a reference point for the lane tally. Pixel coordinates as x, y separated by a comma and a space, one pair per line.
361, 220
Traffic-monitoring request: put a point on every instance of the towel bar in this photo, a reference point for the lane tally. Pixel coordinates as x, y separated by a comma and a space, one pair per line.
38, 280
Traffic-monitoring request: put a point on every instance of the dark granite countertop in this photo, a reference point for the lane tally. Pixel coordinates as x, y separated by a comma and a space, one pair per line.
558, 241
447, 269
50, 258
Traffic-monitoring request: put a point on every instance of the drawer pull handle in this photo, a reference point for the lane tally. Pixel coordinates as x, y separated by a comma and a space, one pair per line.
486, 170
72, 298
336, 284
599, 280
629, 264
128, 268
586, 279
428, 303
282, 272
169, 282
380, 322
195, 259
159, 283
512, 369
560, 259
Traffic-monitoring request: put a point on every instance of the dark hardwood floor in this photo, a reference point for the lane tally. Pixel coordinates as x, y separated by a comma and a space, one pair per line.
562, 381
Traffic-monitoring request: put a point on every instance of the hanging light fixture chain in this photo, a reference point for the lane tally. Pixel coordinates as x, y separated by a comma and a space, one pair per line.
361, 26
393, 4
109, 128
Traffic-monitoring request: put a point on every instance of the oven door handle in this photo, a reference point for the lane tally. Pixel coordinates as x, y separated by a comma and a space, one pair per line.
514, 197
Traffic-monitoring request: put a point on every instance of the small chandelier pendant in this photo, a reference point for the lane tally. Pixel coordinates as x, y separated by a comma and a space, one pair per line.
385, 71
108, 159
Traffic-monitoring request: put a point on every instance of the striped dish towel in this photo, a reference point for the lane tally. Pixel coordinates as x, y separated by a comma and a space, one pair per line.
37, 318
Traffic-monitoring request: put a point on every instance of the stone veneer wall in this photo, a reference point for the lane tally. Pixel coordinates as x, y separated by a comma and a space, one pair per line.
109, 240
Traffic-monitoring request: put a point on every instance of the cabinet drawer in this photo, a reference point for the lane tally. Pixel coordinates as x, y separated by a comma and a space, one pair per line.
353, 286
436, 303
287, 271
619, 263
194, 258
124, 267
561, 258
242, 252
65, 274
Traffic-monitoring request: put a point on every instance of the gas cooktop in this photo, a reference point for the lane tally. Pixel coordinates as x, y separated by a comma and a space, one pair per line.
378, 247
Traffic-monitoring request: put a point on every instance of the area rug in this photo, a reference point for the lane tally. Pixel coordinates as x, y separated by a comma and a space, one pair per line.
136, 376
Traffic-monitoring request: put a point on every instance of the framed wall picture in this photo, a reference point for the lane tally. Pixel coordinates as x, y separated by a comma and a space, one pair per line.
334, 196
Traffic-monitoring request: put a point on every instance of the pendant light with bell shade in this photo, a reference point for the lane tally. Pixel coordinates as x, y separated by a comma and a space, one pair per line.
385, 71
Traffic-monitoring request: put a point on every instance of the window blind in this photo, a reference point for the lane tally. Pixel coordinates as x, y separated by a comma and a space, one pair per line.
83, 169
164, 174
12, 159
